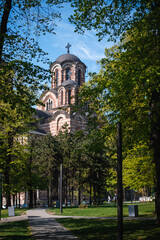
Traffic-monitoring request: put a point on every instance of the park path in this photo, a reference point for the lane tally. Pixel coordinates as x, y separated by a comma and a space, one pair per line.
44, 226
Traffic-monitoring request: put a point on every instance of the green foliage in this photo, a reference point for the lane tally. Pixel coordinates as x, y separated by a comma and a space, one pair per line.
113, 18
84, 161
107, 210
16, 230
127, 86
21, 23
138, 168
18, 212
46, 157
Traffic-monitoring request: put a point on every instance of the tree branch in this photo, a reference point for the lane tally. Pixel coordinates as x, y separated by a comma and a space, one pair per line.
3, 26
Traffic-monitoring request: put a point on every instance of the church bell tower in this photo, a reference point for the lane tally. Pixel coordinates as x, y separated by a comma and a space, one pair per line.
67, 75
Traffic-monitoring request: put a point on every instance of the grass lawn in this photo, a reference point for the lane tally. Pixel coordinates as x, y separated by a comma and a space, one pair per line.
18, 212
109, 210
96, 229
15, 231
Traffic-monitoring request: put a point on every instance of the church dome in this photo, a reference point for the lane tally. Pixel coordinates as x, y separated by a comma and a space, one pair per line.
67, 57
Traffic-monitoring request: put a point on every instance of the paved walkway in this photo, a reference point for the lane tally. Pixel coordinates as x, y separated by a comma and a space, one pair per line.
44, 226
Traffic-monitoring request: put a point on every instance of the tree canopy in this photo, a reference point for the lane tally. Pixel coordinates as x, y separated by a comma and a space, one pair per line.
113, 18
21, 23
127, 89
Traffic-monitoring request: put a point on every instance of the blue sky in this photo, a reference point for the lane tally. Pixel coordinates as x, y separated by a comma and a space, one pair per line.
86, 47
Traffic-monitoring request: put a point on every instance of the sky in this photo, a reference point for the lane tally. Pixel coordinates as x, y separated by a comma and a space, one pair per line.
86, 47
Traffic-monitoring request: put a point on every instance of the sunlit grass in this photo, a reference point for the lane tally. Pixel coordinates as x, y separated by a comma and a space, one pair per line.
109, 210
15, 231
18, 212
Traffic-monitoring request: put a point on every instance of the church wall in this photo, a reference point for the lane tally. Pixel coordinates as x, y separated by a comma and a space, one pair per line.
78, 123
45, 127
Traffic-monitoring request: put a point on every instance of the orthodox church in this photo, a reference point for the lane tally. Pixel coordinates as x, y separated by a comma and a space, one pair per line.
67, 75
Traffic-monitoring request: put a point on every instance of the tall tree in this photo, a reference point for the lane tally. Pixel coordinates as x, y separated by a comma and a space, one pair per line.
21, 23
127, 89
46, 158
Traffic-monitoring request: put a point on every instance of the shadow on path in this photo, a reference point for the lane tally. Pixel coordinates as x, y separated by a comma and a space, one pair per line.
44, 226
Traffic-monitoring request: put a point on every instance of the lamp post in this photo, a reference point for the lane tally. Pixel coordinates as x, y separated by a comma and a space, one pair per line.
119, 181
0, 194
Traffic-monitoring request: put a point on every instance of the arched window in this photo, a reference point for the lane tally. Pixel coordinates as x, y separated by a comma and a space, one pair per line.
79, 77
69, 96
59, 123
56, 77
68, 73
49, 104
61, 97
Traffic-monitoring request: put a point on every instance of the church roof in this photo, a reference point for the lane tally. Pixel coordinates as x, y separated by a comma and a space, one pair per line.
38, 132
69, 82
45, 92
43, 114
68, 57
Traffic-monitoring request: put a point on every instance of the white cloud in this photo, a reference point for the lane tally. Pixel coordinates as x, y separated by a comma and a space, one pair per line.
88, 53
86, 46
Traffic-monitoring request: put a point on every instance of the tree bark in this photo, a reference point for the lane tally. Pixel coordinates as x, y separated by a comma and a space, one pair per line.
90, 195
3, 26
30, 197
155, 143
48, 196
79, 195
7, 170
72, 195
19, 199
30, 189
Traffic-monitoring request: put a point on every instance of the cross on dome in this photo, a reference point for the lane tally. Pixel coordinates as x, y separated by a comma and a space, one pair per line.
68, 47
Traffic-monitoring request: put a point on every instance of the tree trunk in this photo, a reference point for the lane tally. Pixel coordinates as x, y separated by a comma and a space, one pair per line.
50, 193
90, 195
13, 196
94, 194
19, 199
66, 190
7, 170
72, 194
69, 192
35, 198
30, 197
155, 142
48, 196
16, 200
3, 26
